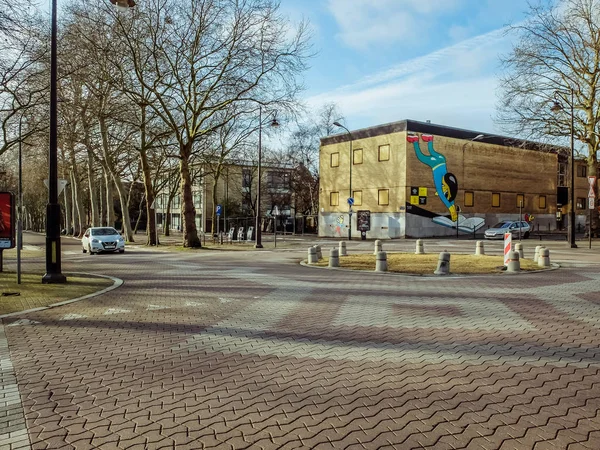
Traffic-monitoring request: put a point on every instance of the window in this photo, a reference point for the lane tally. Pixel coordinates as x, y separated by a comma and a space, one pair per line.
246, 177
357, 157
278, 180
469, 198
384, 152
542, 202
383, 197
581, 171
335, 160
334, 198
357, 195
495, 200
520, 201
562, 174
581, 203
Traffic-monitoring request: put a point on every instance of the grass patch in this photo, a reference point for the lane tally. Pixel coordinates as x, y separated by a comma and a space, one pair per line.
427, 263
34, 294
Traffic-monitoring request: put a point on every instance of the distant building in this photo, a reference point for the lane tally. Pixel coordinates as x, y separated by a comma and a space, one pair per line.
416, 179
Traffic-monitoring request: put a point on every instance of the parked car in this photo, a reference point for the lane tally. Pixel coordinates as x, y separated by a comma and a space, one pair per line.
498, 230
102, 239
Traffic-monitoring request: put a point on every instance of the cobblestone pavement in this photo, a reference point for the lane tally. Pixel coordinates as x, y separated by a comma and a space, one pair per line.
246, 350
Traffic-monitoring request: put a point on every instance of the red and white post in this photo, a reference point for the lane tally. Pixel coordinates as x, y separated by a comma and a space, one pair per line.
507, 246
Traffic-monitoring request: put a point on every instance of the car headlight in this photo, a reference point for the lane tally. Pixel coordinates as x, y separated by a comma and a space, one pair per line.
121, 239
95, 241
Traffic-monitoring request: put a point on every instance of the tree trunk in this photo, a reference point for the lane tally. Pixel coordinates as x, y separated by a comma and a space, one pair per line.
92, 188
188, 211
148, 189
110, 207
215, 184
79, 210
68, 212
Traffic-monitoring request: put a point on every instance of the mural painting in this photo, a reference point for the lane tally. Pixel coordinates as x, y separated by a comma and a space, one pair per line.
339, 225
446, 188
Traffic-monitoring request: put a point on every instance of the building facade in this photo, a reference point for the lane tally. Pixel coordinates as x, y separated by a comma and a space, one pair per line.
416, 179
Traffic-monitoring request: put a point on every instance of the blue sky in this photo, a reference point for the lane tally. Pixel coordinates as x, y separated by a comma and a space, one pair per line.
386, 60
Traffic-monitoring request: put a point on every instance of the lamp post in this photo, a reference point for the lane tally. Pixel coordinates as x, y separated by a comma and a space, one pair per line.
53, 263
351, 159
275, 124
555, 108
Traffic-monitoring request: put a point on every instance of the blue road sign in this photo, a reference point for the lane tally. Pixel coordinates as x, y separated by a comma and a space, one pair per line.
219, 209
351, 201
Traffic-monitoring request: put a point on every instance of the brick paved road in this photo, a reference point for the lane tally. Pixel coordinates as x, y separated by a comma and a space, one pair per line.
241, 350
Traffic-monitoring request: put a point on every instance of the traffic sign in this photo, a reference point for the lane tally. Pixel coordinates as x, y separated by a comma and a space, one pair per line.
351, 201
592, 181
219, 210
591, 202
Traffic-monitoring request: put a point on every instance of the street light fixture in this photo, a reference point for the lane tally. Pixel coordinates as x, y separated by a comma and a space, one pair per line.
556, 107
123, 5
351, 158
274, 124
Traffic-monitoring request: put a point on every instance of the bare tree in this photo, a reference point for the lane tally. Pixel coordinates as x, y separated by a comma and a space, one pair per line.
205, 55
557, 54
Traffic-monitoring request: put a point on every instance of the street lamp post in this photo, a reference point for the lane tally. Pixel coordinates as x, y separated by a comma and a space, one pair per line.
351, 159
559, 107
53, 262
275, 124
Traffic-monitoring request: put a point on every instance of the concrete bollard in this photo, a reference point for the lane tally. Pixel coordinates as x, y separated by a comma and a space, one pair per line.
419, 249
381, 262
479, 250
343, 248
519, 249
443, 267
378, 247
319, 253
514, 264
312, 255
544, 258
334, 257
536, 256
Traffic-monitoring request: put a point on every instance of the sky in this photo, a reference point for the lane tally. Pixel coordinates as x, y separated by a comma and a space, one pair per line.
382, 61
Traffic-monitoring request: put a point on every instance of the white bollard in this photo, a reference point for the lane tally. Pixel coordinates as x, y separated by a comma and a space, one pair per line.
381, 262
479, 249
334, 257
443, 267
378, 247
514, 264
519, 249
419, 250
312, 255
319, 253
343, 248
537, 253
544, 258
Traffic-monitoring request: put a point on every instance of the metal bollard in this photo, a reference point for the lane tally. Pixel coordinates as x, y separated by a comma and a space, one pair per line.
312, 255
537, 253
443, 267
319, 253
544, 258
514, 264
479, 250
419, 250
343, 248
334, 257
381, 262
378, 247
519, 249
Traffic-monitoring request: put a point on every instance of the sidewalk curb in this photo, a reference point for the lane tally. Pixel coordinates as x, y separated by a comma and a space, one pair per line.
117, 282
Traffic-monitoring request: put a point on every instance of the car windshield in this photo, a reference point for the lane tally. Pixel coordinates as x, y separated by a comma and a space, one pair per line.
104, 232
502, 225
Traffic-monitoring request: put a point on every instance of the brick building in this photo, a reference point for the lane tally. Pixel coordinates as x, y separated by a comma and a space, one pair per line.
416, 179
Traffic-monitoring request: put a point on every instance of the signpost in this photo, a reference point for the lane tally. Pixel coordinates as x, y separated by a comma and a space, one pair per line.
219, 210
591, 204
7, 223
350, 203
275, 214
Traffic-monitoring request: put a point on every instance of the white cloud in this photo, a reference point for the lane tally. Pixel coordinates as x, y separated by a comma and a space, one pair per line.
366, 23
454, 86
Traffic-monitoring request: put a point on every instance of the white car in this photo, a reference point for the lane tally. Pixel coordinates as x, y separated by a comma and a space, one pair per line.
102, 239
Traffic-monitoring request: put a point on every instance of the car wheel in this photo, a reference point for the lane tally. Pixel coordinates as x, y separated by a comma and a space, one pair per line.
121, 251
527, 235
90, 250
